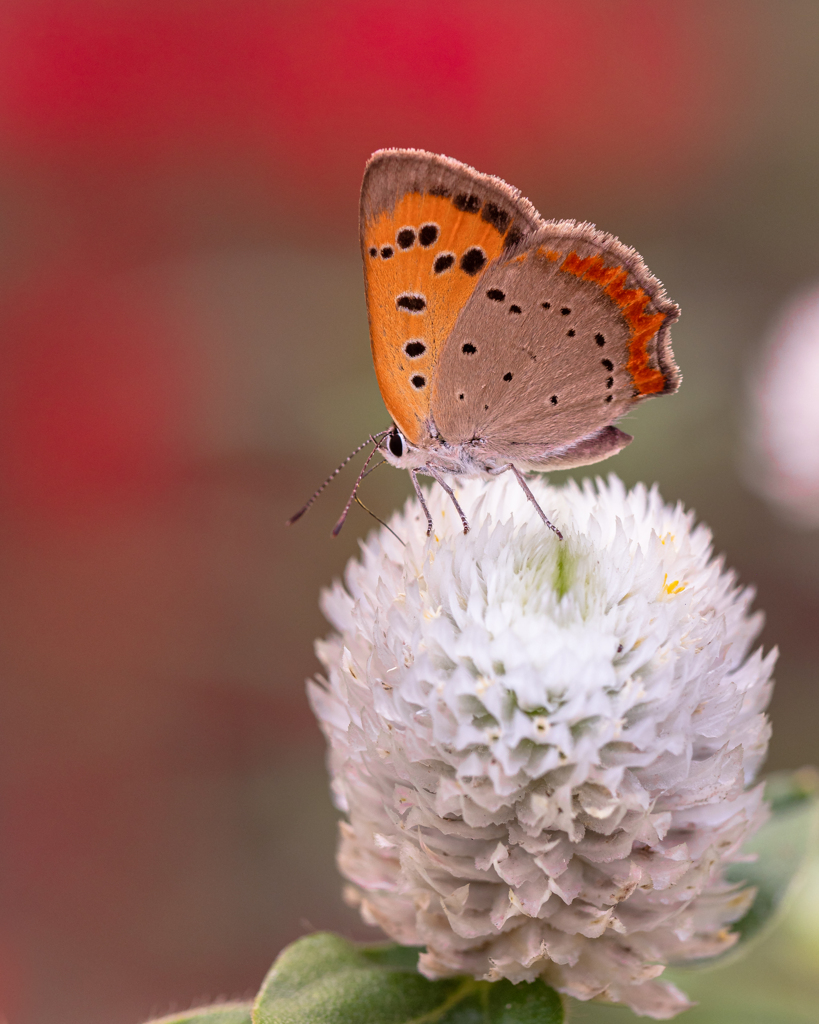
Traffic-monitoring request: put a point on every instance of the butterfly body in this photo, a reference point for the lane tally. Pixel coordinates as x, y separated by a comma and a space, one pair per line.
479, 457
501, 341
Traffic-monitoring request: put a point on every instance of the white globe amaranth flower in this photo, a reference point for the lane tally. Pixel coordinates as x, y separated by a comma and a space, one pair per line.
782, 453
545, 749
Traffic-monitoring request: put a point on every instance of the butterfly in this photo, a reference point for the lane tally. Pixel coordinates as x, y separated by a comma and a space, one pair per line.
501, 342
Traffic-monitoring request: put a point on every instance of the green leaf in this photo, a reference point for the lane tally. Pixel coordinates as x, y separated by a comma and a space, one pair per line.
782, 846
220, 1013
791, 789
390, 954
324, 979
501, 1002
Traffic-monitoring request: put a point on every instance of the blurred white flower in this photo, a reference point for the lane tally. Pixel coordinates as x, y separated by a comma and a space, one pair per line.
783, 463
544, 749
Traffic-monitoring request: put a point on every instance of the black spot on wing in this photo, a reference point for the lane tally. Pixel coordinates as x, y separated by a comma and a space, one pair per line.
565, 310
553, 399
428, 235
495, 294
608, 364
601, 341
473, 261
495, 216
443, 262
405, 238
515, 309
373, 251
386, 252
507, 376
411, 303
546, 305
469, 349
466, 203
415, 349
418, 381
570, 333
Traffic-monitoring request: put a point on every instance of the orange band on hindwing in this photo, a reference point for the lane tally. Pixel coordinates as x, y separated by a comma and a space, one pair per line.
632, 303
549, 254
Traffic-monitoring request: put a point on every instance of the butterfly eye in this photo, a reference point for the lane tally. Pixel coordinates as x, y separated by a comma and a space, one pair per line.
396, 445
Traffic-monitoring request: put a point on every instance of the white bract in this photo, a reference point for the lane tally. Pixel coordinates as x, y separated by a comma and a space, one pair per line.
545, 749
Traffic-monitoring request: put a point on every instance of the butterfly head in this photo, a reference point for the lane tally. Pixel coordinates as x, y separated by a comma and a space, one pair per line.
398, 451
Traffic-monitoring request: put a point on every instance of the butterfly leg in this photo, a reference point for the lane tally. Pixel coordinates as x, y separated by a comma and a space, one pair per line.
522, 481
414, 475
437, 476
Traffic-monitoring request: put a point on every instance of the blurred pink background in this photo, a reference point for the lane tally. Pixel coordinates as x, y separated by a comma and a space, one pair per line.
185, 355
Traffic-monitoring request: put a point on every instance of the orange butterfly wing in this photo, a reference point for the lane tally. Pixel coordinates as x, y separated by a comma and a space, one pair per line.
430, 226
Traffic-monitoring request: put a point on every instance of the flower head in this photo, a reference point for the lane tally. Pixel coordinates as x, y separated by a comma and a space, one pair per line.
544, 749
782, 461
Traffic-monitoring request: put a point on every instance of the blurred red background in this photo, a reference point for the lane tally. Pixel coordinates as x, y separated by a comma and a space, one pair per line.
185, 353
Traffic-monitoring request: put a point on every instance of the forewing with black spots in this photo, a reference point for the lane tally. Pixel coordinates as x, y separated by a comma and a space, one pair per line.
431, 229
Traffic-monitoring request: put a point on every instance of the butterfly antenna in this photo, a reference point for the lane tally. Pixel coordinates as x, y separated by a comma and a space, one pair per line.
372, 438
361, 475
370, 512
372, 469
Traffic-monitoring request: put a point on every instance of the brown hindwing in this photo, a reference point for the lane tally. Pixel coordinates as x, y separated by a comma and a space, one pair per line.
566, 331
